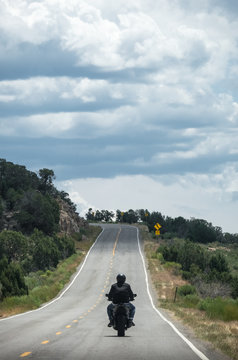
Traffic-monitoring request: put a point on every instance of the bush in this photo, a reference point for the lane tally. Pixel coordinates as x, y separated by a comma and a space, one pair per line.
222, 309
212, 289
175, 267
187, 275
191, 301
158, 256
186, 290
11, 279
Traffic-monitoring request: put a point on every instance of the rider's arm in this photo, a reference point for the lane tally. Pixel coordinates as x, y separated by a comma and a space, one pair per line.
111, 293
131, 295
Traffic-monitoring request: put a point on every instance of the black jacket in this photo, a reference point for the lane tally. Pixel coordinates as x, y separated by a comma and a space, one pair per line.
120, 293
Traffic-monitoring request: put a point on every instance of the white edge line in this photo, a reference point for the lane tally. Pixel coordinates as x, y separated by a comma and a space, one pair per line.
67, 288
195, 350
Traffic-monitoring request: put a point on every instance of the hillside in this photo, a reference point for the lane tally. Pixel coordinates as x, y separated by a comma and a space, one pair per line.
38, 225
29, 201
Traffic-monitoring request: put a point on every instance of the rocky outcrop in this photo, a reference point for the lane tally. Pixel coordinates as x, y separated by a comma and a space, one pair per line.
70, 221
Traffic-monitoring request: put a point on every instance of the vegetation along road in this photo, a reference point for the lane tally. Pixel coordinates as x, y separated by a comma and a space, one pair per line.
74, 325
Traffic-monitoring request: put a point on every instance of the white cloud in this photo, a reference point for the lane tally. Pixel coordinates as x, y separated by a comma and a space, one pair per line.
125, 36
70, 125
154, 80
215, 143
234, 113
206, 196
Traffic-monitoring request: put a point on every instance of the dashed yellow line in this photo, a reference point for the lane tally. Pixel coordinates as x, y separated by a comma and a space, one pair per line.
115, 245
25, 354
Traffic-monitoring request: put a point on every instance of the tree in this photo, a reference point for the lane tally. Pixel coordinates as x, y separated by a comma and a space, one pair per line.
190, 254
11, 279
107, 215
144, 215
218, 263
13, 245
16, 177
98, 216
45, 252
12, 197
156, 217
130, 216
65, 196
90, 215
118, 215
38, 211
46, 180
201, 231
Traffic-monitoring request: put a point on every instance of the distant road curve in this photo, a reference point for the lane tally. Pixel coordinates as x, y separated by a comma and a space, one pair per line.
74, 325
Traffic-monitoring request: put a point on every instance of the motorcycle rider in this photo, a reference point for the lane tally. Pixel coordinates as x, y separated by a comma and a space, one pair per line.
121, 292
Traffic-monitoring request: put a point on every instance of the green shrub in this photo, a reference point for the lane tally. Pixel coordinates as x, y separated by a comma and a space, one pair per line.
218, 308
159, 256
186, 290
187, 275
191, 301
175, 267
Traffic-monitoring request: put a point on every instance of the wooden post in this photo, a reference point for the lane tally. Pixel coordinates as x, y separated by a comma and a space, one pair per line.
175, 295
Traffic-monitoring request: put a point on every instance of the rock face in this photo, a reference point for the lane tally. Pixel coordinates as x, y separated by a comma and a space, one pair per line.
70, 221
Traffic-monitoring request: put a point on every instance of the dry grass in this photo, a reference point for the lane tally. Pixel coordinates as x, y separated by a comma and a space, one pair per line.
222, 335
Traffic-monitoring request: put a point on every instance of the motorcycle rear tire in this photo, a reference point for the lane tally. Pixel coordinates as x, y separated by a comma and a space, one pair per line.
121, 322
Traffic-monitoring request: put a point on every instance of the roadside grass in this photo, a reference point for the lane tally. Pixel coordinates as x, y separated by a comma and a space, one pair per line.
213, 320
44, 286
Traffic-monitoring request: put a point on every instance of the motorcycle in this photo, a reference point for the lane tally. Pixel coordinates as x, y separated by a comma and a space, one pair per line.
121, 317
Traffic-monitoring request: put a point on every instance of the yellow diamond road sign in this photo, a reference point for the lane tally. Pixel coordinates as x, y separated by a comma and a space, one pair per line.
157, 226
157, 232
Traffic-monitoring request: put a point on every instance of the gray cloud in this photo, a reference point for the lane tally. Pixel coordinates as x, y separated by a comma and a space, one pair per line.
94, 90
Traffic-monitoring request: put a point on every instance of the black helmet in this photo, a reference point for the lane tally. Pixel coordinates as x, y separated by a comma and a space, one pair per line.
121, 278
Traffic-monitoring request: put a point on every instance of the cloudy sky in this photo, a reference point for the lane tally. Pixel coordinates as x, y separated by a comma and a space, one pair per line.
133, 103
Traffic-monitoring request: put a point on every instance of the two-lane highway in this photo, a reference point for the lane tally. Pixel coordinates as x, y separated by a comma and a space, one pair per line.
74, 325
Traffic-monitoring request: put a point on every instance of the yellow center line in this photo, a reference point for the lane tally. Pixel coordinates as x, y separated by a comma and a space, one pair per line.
75, 321
59, 333
25, 354
68, 326
45, 342
115, 245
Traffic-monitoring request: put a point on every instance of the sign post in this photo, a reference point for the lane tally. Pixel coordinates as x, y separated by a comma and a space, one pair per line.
157, 227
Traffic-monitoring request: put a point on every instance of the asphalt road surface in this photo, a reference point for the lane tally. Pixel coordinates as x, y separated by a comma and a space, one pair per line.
74, 325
